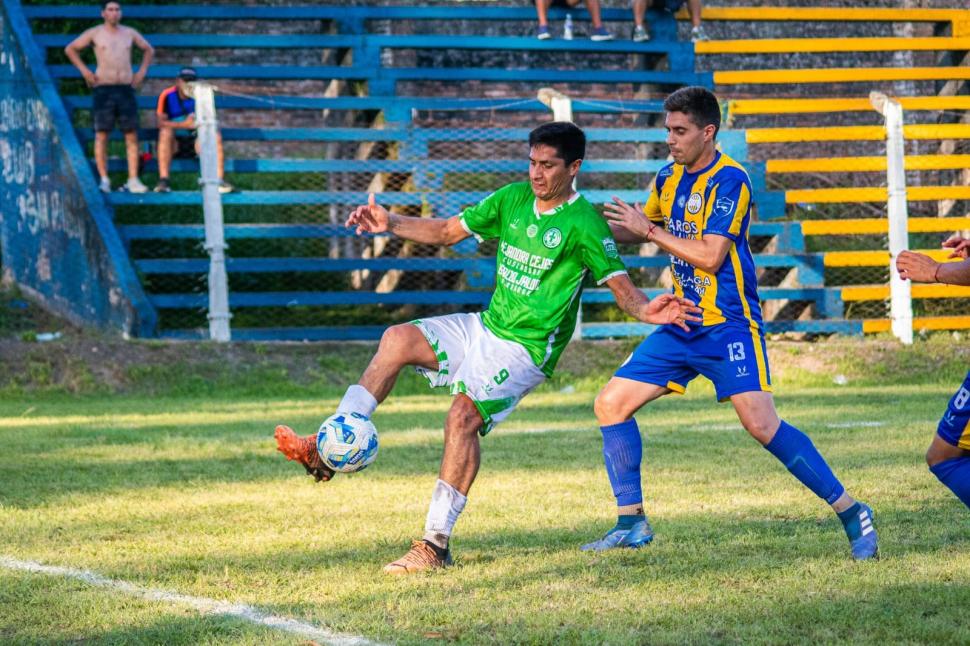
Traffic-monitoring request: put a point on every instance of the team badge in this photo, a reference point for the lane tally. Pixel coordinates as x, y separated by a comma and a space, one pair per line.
724, 205
532, 231
552, 238
695, 203
609, 246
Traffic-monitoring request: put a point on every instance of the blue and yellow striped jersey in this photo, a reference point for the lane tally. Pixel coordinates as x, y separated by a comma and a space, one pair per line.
716, 200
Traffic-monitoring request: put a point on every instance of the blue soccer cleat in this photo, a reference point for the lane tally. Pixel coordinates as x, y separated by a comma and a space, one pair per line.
857, 521
633, 537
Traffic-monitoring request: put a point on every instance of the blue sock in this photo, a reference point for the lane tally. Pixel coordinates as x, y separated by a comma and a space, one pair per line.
799, 455
622, 451
955, 474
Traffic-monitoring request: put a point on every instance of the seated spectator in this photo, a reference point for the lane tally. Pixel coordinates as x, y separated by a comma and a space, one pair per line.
640, 32
542, 9
176, 112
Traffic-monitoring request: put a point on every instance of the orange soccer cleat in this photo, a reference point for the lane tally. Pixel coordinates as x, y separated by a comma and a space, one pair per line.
420, 558
302, 450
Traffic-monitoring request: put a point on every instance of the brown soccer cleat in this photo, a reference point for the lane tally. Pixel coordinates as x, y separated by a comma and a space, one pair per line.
302, 450
418, 559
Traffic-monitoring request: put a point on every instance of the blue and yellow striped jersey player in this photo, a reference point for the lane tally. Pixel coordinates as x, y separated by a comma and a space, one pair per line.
949, 454
550, 238
699, 211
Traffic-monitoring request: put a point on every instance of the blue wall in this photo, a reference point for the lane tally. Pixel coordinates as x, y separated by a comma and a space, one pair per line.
57, 237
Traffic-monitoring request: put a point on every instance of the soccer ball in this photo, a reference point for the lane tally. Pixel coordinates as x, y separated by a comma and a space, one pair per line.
347, 442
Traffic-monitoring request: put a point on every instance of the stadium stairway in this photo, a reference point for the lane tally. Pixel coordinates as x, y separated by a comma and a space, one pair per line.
799, 79
429, 154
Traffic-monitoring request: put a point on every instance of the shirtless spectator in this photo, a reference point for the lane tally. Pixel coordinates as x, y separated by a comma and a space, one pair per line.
113, 86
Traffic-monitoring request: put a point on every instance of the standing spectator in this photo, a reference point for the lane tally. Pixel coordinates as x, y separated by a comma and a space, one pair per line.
176, 112
113, 86
593, 6
640, 32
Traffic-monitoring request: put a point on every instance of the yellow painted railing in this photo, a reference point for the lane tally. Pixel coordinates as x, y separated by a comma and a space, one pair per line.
876, 226
856, 133
875, 194
796, 106
804, 45
841, 75
865, 164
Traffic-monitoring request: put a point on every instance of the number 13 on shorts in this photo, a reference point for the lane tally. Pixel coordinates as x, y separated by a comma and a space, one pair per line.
736, 351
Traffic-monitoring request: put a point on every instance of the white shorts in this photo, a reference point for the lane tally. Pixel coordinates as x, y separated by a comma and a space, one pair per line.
493, 372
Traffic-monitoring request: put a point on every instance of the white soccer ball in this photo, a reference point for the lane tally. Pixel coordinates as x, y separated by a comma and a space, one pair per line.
347, 442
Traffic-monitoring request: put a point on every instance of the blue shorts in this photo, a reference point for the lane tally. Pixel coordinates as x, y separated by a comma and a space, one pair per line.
732, 355
954, 424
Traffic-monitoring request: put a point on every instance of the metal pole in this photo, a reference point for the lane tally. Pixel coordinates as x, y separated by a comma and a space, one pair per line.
901, 307
215, 243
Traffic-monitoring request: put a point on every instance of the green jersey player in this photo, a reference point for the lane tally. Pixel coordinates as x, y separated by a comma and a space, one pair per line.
549, 239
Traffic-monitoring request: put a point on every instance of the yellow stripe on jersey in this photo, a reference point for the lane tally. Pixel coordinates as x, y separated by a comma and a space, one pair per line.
739, 279
964, 441
743, 199
652, 208
708, 281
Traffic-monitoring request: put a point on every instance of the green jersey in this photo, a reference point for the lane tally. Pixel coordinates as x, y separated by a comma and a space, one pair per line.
541, 261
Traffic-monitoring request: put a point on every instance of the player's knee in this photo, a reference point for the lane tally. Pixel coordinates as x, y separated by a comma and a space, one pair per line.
762, 428
609, 408
463, 417
936, 454
396, 338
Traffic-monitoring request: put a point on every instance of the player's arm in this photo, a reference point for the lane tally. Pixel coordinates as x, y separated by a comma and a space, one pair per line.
707, 253
148, 54
923, 269
666, 308
73, 53
374, 218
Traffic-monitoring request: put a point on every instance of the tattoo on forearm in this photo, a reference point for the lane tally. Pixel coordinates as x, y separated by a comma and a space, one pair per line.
631, 302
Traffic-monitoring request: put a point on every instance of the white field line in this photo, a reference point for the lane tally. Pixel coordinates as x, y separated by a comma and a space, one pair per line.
201, 604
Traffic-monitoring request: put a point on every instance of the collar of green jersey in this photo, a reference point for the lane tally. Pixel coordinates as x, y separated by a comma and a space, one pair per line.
555, 209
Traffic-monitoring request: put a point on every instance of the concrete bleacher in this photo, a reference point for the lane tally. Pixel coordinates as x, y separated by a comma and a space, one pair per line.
385, 142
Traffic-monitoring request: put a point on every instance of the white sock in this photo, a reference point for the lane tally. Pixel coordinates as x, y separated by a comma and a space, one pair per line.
358, 400
446, 504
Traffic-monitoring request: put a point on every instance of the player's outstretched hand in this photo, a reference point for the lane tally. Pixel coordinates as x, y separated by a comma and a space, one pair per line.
629, 217
958, 245
369, 218
916, 267
668, 308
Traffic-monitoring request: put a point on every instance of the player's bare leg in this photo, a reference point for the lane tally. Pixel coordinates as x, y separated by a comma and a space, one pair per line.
401, 345
459, 466
794, 449
951, 465
941, 451
615, 406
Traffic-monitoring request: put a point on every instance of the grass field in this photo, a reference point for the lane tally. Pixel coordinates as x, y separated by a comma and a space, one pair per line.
187, 495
